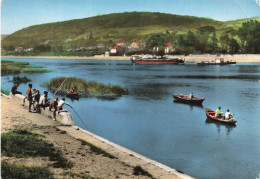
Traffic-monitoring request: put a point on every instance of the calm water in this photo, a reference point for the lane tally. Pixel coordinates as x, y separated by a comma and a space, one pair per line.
150, 123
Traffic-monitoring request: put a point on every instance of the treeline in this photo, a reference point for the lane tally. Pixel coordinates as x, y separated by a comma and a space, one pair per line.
205, 40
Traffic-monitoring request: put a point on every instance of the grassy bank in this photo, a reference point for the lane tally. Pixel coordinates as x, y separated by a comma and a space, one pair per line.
86, 87
13, 67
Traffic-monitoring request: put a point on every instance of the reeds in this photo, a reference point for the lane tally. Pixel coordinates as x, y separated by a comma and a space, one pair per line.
14, 67
82, 85
5, 91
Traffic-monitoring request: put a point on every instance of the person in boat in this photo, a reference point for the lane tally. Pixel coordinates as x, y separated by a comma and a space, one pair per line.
218, 113
191, 96
61, 103
44, 101
14, 90
54, 105
72, 90
29, 97
228, 115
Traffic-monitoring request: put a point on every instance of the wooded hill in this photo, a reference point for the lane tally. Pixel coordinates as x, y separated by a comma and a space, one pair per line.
111, 28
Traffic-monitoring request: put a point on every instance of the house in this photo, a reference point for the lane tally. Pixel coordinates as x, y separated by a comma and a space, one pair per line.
69, 40
117, 50
120, 43
135, 45
169, 48
28, 49
19, 49
47, 42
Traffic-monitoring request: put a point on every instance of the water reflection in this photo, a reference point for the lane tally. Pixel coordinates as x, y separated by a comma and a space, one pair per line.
228, 127
192, 105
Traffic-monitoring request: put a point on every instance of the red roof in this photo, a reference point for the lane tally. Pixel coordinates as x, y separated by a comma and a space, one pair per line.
115, 47
136, 42
168, 44
120, 43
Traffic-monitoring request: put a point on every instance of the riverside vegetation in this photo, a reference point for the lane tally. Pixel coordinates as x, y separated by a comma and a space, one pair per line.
86, 87
14, 67
26, 144
189, 34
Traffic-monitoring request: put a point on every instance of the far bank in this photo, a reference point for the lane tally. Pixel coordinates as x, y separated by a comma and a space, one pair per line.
247, 58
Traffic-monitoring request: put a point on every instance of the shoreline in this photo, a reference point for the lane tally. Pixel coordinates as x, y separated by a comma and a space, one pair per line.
18, 117
246, 58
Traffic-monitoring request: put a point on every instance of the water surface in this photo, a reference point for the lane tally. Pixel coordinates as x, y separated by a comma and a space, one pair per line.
150, 123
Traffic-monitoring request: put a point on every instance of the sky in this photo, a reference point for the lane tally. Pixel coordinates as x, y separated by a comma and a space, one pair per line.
18, 14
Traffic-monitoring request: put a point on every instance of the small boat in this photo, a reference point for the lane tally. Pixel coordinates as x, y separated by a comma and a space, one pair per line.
185, 99
152, 59
211, 115
218, 61
72, 94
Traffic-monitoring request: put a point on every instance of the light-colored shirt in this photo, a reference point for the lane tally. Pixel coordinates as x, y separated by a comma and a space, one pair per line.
43, 100
218, 112
227, 115
61, 103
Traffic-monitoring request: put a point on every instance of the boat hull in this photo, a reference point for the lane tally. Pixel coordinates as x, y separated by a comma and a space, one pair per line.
213, 63
185, 99
211, 115
158, 62
72, 95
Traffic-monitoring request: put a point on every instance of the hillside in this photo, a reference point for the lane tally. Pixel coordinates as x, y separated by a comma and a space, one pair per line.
109, 29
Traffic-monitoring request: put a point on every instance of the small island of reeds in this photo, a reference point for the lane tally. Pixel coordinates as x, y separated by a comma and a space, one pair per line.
81, 85
14, 67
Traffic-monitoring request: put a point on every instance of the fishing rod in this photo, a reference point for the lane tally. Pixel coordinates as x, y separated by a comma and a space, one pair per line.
57, 89
80, 118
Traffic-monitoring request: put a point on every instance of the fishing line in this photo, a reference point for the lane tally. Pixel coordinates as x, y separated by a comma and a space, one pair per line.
80, 118
59, 87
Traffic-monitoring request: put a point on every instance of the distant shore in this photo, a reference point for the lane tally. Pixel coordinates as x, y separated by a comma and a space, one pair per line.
249, 58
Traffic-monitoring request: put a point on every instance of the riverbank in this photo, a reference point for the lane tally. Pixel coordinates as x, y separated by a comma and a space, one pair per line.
69, 141
248, 58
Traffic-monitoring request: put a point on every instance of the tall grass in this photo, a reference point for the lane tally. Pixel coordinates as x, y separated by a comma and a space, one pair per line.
87, 87
18, 79
22, 172
5, 91
14, 67
24, 143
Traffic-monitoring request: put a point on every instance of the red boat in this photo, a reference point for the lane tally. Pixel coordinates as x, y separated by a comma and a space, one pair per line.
72, 94
218, 61
211, 114
150, 59
185, 99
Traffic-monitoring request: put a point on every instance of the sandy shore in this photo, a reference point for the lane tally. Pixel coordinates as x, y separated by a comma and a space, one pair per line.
66, 139
253, 58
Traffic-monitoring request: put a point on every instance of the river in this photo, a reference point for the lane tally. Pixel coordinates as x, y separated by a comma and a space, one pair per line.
147, 120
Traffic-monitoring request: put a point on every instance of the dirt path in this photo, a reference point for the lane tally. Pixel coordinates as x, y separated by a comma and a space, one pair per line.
69, 141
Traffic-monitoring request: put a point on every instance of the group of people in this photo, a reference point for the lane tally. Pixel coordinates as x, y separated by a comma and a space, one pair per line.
218, 114
41, 102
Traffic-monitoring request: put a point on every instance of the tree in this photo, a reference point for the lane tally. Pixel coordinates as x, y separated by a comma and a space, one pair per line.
249, 34
224, 41
213, 45
233, 46
157, 40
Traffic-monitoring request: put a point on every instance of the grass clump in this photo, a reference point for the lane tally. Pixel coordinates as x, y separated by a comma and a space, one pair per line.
18, 79
22, 172
140, 171
4, 91
87, 87
24, 143
14, 67
97, 150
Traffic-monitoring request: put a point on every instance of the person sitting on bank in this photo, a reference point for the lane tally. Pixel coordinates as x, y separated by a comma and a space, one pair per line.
44, 101
61, 103
228, 115
54, 104
191, 96
14, 90
218, 113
